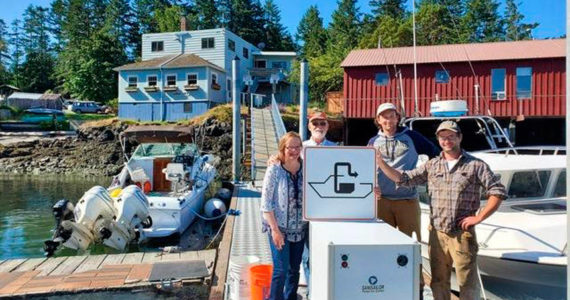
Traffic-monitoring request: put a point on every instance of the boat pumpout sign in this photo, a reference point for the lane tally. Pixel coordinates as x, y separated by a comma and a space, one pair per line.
339, 183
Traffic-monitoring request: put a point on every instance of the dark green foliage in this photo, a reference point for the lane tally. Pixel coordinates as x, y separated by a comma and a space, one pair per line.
482, 22
311, 33
37, 71
392, 8
208, 16
277, 37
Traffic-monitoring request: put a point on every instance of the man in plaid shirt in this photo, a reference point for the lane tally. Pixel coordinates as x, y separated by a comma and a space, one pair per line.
456, 181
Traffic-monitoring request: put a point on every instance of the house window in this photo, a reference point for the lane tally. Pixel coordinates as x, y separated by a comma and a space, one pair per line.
279, 65
133, 81
232, 45
498, 83
157, 46
382, 79
229, 87
192, 79
245, 53
152, 80
524, 83
208, 43
441, 76
171, 80
261, 64
188, 107
529, 184
214, 78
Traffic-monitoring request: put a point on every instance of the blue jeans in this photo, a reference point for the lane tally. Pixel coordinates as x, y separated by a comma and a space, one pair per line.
286, 262
306, 264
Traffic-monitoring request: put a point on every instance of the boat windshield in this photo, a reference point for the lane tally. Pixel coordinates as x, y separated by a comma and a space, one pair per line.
165, 149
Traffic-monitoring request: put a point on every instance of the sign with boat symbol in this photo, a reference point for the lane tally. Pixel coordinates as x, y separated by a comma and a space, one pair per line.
339, 183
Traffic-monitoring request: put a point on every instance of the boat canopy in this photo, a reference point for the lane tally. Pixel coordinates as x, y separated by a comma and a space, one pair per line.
159, 134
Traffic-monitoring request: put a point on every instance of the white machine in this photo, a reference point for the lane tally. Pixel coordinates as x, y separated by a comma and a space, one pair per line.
363, 260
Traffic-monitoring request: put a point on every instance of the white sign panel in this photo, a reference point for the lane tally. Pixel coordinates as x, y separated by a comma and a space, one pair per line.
339, 183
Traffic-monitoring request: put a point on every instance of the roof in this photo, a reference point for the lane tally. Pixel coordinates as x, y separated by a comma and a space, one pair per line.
9, 87
275, 53
159, 134
50, 96
18, 95
531, 49
170, 62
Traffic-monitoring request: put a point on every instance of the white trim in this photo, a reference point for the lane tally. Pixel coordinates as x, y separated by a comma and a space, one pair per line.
148, 81
158, 102
191, 73
504, 91
175, 79
275, 53
129, 80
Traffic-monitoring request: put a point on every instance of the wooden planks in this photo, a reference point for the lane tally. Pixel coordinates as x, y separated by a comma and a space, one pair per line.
49, 265
150, 257
113, 259
69, 266
30, 264
133, 258
92, 262
10, 265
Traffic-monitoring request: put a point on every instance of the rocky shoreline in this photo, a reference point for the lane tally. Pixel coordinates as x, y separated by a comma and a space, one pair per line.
96, 150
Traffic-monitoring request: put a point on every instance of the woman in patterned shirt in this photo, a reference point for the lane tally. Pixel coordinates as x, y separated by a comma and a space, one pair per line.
281, 205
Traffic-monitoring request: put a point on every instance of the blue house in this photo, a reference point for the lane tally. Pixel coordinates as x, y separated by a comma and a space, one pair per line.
183, 74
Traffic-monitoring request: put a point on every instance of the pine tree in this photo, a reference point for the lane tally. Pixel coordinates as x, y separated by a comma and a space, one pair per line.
168, 18
17, 42
482, 22
311, 33
388, 33
208, 15
344, 29
4, 54
392, 8
515, 29
450, 15
36, 29
432, 27
277, 38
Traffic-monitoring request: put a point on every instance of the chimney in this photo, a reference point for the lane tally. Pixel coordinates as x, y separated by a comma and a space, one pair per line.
183, 23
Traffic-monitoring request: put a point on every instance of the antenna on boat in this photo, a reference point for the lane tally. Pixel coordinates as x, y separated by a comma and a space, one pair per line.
415, 59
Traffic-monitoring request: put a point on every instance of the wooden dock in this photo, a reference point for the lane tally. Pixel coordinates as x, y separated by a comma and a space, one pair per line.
20, 277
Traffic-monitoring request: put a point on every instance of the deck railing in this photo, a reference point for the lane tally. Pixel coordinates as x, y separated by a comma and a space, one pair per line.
277, 120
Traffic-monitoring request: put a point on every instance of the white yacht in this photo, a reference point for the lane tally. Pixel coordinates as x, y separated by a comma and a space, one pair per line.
523, 245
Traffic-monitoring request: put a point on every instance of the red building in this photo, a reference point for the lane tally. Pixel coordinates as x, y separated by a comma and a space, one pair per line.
509, 80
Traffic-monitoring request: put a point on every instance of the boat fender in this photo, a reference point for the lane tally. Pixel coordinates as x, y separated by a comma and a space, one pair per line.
214, 207
224, 194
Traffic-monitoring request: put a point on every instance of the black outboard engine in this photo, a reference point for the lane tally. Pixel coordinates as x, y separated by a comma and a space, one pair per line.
62, 211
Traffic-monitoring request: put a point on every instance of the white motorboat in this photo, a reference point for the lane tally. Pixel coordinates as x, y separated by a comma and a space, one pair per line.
523, 245
158, 193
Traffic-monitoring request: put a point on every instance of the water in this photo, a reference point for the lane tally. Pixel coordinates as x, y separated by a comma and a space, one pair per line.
26, 218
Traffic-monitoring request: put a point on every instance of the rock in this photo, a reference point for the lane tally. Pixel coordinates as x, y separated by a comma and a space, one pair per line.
106, 135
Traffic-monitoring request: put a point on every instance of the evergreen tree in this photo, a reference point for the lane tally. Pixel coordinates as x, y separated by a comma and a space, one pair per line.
450, 15
4, 54
392, 8
389, 32
168, 18
515, 29
431, 27
344, 29
311, 33
17, 42
143, 21
244, 18
277, 38
482, 22
207, 14
36, 29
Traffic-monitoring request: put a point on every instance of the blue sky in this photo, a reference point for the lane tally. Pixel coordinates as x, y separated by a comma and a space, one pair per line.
551, 14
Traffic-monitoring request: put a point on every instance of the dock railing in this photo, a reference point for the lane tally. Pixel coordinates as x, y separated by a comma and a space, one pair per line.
252, 122
277, 119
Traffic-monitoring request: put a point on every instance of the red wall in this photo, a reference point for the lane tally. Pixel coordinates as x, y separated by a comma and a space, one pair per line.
362, 95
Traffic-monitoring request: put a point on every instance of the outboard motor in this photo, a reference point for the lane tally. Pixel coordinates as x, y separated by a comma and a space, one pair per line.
62, 211
132, 215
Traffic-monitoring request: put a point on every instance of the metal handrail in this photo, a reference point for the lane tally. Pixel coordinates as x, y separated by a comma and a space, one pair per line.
277, 119
252, 140
522, 150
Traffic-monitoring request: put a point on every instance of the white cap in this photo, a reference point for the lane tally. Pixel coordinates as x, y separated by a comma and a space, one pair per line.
384, 107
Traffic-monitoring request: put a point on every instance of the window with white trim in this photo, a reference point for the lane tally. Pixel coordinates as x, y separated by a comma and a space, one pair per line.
214, 78
152, 80
191, 79
133, 81
524, 82
157, 46
170, 80
498, 84
208, 43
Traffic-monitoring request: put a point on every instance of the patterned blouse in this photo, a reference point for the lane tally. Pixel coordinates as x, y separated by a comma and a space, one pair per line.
282, 194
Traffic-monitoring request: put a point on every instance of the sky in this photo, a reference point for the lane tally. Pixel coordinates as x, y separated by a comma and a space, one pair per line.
551, 14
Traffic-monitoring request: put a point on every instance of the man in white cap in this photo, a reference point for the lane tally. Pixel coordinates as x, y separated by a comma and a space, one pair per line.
456, 182
399, 147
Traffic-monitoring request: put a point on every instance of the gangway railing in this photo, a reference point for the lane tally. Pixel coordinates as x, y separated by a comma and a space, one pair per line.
252, 122
277, 119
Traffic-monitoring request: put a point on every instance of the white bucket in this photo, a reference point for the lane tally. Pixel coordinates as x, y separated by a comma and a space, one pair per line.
238, 268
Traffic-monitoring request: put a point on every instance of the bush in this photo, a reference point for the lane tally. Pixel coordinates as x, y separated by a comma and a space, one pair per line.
50, 125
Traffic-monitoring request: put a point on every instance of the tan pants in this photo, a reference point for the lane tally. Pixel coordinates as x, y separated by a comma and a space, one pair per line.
404, 215
459, 249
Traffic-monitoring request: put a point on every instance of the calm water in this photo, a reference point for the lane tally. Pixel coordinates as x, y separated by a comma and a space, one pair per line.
25, 210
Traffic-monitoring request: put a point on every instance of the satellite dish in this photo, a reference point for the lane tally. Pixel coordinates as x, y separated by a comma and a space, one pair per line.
261, 45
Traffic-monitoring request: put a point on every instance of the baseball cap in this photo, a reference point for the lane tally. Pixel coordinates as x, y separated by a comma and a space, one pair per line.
317, 116
448, 125
384, 107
